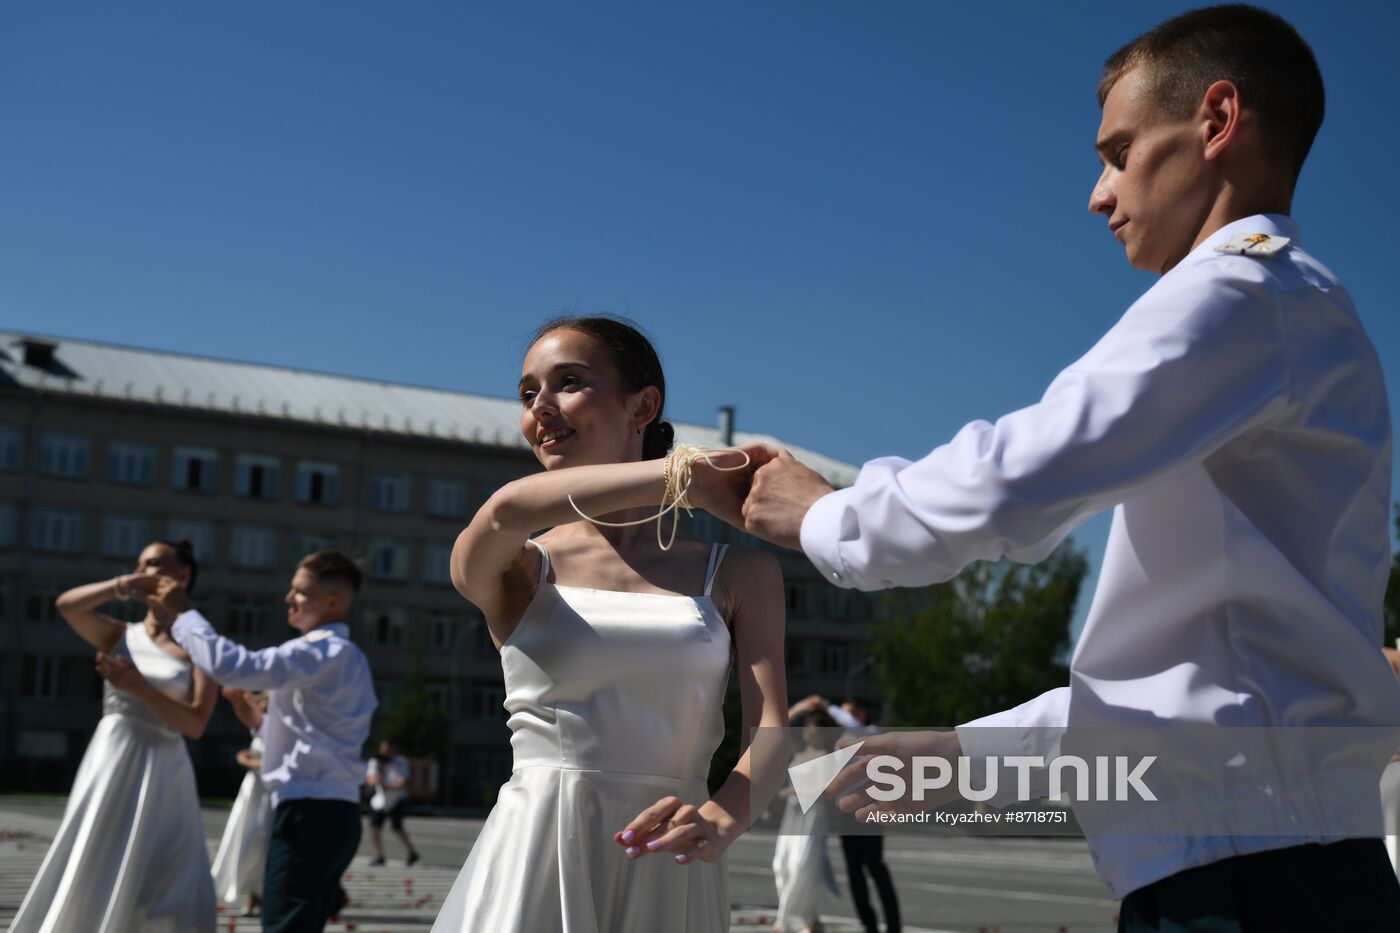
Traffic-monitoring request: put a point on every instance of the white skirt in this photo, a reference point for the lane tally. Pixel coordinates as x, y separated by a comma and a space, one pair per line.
129, 856
238, 865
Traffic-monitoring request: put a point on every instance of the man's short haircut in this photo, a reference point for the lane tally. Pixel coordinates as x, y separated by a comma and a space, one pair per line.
333, 568
1257, 51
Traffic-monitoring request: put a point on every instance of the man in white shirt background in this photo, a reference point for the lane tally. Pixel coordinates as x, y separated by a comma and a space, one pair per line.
320, 699
388, 774
1235, 420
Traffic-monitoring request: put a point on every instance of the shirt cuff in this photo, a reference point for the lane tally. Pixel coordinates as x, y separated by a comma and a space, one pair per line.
996, 736
821, 537
187, 623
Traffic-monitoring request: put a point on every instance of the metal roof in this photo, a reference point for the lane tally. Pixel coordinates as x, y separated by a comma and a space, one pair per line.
131, 374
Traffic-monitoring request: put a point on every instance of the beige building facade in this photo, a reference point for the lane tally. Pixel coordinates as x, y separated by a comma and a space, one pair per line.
105, 448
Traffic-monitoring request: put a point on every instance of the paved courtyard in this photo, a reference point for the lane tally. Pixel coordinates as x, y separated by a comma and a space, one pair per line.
964, 885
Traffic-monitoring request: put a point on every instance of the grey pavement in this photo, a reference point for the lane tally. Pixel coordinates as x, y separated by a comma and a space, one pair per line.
963, 884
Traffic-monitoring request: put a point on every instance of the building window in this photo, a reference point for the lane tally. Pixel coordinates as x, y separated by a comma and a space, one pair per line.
447, 498
388, 559
836, 658
318, 483
442, 629
484, 701
253, 546
796, 655
391, 492
840, 603
63, 455
57, 530
195, 469
440, 698
386, 627
43, 678
256, 477
479, 633
131, 463
797, 599
248, 617
11, 446
200, 535
437, 563
42, 745
125, 535
9, 524
40, 599
303, 544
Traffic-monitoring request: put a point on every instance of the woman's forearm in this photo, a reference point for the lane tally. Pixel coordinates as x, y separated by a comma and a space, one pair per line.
754, 781
541, 500
88, 596
186, 718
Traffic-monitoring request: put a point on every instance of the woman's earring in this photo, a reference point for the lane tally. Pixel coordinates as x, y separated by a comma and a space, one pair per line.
639, 430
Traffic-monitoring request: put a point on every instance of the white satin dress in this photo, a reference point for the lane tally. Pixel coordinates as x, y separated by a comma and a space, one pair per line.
129, 856
242, 855
615, 702
802, 867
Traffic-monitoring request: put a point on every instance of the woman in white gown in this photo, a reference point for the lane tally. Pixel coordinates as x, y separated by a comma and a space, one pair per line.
129, 856
242, 854
616, 655
801, 864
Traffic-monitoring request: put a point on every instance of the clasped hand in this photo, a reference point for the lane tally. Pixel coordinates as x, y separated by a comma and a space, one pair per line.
671, 826
119, 672
768, 500
164, 595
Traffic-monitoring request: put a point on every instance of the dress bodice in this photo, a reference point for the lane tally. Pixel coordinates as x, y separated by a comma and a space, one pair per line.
162, 670
599, 680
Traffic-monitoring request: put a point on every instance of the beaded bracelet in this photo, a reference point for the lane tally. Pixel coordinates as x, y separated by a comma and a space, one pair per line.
676, 479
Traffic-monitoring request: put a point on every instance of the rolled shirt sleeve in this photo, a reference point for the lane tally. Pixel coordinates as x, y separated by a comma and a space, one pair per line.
1194, 362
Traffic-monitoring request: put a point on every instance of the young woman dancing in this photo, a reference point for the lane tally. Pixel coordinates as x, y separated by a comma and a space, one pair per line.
616, 652
130, 852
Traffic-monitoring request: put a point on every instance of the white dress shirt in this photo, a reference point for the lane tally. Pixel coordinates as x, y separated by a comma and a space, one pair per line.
394, 771
1235, 420
319, 704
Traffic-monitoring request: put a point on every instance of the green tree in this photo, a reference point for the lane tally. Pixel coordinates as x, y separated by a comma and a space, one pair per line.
414, 720
1392, 593
994, 637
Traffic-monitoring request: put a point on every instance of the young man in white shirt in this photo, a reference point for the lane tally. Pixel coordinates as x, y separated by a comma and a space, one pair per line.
1235, 420
388, 774
320, 699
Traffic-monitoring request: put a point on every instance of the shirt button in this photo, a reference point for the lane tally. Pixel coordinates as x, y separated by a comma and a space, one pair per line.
836, 576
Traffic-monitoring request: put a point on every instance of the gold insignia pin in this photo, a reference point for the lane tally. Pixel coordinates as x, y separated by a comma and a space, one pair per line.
1254, 244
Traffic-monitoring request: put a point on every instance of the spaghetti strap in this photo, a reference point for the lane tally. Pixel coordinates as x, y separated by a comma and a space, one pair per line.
717, 552
544, 559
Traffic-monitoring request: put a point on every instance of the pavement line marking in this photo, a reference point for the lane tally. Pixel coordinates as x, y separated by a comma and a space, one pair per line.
993, 893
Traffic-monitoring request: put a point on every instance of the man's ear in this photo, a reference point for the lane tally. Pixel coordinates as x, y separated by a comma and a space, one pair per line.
1220, 116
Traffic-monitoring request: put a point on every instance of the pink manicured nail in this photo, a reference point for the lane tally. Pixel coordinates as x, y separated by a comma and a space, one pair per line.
634, 851
682, 859
654, 844
629, 836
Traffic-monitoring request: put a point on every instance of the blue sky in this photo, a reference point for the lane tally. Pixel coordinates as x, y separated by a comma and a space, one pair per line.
863, 224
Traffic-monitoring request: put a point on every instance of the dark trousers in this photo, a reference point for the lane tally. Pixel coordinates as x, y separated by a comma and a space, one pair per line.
867, 854
1345, 886
312, 843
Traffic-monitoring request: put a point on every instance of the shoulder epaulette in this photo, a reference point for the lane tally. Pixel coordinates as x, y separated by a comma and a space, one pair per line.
1254, 244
